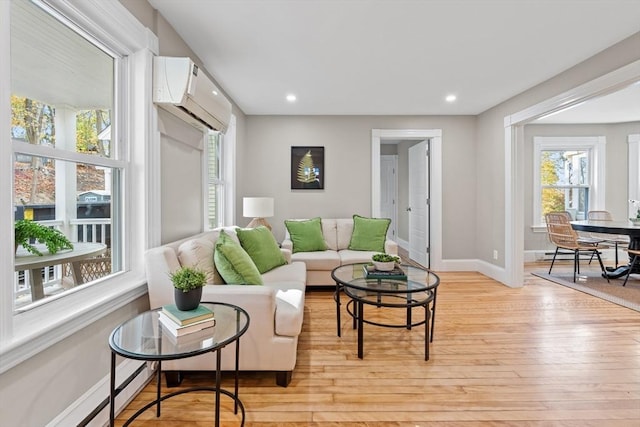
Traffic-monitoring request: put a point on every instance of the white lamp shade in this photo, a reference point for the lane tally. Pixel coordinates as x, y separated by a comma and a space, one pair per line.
257, 207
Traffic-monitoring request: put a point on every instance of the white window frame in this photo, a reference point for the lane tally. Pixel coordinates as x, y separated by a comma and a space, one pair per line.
25, 334
217, 181
595, 145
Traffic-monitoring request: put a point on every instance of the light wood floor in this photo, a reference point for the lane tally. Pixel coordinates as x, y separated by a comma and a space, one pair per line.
541, 355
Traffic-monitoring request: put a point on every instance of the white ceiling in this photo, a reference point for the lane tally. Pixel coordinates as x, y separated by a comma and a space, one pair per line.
392, 57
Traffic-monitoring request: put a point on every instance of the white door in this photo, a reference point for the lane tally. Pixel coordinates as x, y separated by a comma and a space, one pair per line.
388, 192
419, 203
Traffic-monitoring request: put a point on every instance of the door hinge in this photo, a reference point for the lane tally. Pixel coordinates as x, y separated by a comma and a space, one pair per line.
428, 202
428, 249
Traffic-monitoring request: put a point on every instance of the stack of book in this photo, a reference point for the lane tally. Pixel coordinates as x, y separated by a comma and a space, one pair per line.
180, 323
397, 273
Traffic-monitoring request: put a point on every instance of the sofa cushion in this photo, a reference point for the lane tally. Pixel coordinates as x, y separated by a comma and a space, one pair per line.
198, 253
289, 276
369, 234
319, 260
261, 247
348, 256
344, 228
234, 263
306, 235
330, 233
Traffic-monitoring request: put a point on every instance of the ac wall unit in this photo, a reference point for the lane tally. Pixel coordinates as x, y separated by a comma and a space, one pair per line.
181, 88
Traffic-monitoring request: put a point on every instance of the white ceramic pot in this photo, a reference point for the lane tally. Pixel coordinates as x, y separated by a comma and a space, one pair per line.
384, 266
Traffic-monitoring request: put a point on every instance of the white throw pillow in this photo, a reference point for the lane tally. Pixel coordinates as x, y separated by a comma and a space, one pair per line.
198, 253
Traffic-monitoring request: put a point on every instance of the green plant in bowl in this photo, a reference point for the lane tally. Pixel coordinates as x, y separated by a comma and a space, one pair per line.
27, 230
384, 262
385, 258
188, 283
187, 279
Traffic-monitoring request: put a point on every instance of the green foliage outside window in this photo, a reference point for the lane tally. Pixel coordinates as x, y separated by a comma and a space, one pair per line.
553, 199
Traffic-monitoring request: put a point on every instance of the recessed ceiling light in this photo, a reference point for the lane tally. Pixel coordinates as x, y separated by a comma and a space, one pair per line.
215, 92
291, 98
450, 98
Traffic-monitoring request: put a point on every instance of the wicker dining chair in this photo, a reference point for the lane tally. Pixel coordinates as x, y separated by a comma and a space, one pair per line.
636, 258
616, 240
565, 237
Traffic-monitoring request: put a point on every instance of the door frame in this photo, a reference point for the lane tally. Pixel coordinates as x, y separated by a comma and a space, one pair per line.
435, 135
394, 218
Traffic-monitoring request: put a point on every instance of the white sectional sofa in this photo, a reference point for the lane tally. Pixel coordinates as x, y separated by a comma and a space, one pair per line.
275, 308
337, 235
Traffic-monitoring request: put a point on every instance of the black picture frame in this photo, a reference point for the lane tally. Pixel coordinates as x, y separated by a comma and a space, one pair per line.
307, 168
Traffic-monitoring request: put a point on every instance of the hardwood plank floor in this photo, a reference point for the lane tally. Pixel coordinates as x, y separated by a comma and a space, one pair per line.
541, 355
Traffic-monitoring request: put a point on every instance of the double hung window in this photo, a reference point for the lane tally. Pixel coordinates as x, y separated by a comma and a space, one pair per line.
76, 97
67, 167
568, 175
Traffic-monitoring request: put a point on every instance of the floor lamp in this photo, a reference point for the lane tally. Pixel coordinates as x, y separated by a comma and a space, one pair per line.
257, 208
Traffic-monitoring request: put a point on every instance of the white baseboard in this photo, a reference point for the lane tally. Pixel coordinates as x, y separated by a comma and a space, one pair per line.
403, 244
78, 410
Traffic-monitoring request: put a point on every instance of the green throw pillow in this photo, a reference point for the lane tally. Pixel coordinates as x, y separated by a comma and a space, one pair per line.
233, 263
261, 247
369, 234
306, 235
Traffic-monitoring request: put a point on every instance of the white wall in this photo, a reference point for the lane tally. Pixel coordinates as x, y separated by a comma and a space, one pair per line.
39, 389
265, 167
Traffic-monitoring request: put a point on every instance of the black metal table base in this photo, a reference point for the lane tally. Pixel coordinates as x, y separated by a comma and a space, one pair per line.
355, 308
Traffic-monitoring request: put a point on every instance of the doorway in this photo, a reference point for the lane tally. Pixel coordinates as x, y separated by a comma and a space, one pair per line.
433, 221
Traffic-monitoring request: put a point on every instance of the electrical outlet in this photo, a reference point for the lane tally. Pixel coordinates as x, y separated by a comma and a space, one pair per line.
495, 254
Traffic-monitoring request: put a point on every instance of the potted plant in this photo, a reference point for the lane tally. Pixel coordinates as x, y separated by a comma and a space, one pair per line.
27, 231
188, 283
384, 262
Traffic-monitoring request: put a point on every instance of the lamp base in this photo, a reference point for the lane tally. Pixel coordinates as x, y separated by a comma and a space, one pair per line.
256, 222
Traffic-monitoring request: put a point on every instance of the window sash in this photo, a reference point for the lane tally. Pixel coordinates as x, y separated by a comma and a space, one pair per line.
595, 146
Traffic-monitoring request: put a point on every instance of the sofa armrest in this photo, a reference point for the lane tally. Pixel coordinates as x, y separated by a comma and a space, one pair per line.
258, 301
391, 247
287, 254
287, 244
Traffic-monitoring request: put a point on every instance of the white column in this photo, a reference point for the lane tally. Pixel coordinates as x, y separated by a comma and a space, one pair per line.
66, 179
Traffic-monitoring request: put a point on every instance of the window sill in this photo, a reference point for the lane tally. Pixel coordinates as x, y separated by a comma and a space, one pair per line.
539, 228
67, 316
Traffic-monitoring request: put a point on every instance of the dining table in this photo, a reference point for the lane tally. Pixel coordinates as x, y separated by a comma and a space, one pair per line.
626, 228
35, 263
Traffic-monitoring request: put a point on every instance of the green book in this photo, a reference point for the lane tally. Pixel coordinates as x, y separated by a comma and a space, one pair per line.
184, 318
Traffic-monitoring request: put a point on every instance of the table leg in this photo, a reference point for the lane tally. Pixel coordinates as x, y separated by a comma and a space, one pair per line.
408, 311
112, 391
433, 312
634, 243
35, 283
337, 298
217, 422
360, 309
76, 272
158, 389
426, 332
235, 394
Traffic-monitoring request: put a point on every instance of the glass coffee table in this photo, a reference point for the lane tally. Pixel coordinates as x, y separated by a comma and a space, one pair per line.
418, 289
144, 338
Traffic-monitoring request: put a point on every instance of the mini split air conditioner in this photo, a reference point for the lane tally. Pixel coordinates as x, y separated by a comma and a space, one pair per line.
182, 89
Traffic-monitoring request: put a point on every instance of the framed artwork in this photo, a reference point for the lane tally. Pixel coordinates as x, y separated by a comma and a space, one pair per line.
307, 168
